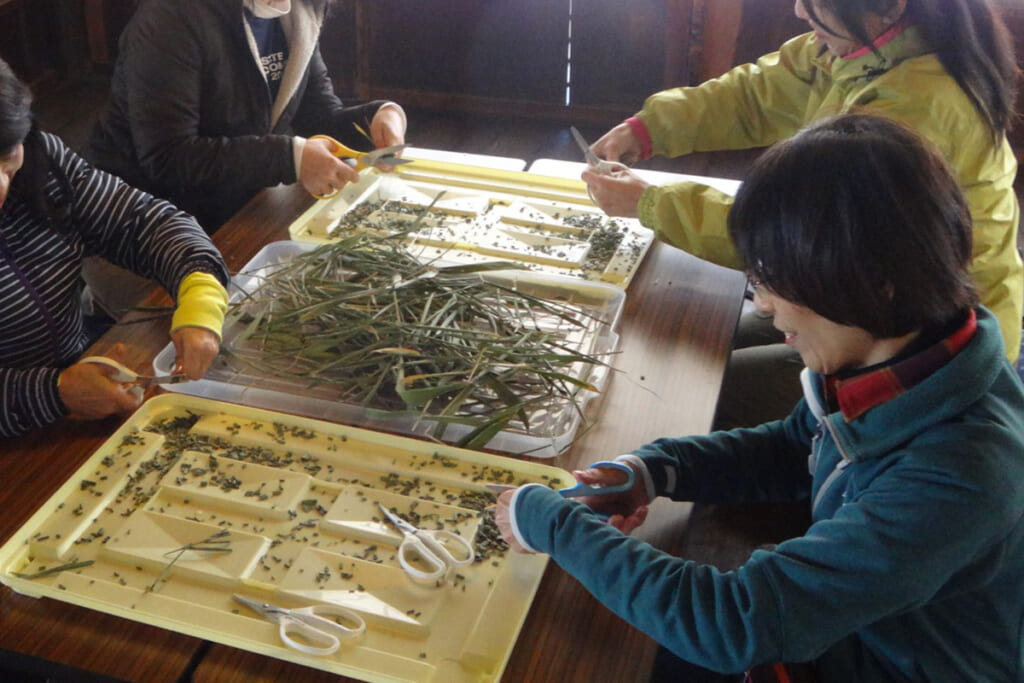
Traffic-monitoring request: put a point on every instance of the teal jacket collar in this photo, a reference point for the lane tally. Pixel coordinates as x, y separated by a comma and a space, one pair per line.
944, 395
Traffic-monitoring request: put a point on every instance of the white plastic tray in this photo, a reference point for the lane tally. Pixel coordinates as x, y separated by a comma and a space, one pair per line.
549, 434
297, 500
468, 214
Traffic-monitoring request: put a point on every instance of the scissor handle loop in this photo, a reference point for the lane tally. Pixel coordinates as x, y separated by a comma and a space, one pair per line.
122, 373
581, 489
432, 539
323, 635
606, 167
414, 547
320, 643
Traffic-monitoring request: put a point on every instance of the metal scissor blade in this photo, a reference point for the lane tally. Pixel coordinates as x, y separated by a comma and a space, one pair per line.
588, 155
146, 381
264, 609
385, 155
392, 161
399, 523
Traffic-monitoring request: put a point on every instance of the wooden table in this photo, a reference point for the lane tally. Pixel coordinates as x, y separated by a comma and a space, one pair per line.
676, 331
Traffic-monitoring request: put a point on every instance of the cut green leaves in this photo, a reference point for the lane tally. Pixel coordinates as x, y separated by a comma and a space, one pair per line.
456, 345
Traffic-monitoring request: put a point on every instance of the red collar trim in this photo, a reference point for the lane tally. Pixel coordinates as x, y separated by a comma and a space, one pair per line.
898, 28
860, 393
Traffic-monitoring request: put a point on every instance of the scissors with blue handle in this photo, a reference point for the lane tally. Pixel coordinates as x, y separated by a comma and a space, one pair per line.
310, 623
580, 489
426, 547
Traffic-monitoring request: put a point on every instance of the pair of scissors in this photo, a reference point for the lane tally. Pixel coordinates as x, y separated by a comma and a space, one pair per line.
138, 383
310, 623
388, 156
580, 489
594, 162
427, 548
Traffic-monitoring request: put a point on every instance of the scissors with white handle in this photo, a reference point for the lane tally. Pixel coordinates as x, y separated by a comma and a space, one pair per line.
426, 547
137, 383
310, 623
594, 162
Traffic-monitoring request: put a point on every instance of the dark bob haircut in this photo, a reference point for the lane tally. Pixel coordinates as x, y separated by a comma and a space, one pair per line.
15, 109
859, 220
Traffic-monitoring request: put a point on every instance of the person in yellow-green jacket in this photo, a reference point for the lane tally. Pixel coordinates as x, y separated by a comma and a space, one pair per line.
945, 68
54, 209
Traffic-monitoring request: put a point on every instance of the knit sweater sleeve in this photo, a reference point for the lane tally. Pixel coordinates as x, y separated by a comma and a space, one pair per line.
764, 463
133, 229
880, 557
28, 399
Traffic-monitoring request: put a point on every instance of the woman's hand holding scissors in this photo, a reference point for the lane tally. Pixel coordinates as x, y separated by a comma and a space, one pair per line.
610, 184
619, 144
627, 509
612, 489
616, 194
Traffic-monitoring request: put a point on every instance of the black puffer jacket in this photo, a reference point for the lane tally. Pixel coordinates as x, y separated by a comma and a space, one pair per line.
190, 117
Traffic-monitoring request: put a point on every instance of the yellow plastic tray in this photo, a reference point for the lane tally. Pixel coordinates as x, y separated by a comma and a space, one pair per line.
469, 214
298, 499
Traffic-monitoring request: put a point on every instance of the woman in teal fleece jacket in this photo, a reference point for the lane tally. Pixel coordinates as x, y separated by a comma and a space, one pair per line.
908, 445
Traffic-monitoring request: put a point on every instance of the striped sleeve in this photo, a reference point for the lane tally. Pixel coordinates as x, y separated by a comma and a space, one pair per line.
134, 229
30, 399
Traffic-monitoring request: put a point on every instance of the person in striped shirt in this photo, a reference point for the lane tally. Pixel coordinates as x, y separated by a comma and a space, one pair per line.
55, 209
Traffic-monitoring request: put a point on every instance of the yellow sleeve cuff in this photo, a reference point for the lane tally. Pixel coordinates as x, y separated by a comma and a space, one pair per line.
202, 302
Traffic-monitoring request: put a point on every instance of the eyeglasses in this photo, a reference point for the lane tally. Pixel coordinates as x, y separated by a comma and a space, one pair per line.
755, 285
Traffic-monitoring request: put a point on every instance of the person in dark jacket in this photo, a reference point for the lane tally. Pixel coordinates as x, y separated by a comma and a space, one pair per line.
210, 98
55, 209
908, 444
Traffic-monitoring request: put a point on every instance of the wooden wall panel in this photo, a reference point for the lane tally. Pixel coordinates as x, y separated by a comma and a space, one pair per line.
29, 42
506, 49
338, 45
618, 51
766, 25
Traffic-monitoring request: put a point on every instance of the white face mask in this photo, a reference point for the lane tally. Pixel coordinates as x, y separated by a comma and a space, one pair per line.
269, 9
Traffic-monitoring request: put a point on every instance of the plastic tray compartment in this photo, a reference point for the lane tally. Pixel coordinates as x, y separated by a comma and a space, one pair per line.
467, 214
294, 502
550, 432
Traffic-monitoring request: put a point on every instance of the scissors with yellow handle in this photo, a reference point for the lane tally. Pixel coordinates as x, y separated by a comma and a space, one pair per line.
388, 156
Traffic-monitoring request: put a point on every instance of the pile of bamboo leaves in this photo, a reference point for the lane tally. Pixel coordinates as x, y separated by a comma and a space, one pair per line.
388, 333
